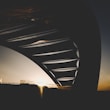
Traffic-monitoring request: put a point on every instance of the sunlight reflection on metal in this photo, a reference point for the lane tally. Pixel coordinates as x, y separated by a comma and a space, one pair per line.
77, 64
11, 28
46, 43
59, 61
14, 30
65, 78
52, 53
77, 53
32, 36
64, 69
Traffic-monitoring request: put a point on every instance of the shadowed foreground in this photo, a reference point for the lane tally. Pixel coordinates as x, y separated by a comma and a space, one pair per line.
25, 97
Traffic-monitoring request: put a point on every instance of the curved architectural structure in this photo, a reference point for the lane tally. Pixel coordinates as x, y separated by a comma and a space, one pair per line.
56, 53
57, 36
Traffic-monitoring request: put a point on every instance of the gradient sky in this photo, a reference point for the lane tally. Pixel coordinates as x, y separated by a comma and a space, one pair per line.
101, 9
15, 67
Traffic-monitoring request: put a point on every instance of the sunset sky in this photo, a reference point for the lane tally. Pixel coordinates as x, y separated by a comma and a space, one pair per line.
102, 13
15, 68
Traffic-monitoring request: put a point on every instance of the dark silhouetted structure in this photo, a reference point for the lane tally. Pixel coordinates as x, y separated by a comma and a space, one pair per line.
73, 19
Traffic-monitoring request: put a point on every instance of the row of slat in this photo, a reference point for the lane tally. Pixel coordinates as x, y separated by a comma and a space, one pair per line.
55, 51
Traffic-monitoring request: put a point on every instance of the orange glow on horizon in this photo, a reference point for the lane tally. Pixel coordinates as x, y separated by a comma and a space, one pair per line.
104, 81
104, 86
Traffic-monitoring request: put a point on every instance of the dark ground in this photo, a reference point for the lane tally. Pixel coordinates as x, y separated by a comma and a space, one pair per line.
23, 97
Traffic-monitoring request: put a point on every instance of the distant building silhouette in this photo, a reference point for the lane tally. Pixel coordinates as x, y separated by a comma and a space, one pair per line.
26, 82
